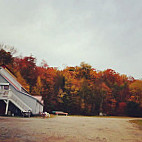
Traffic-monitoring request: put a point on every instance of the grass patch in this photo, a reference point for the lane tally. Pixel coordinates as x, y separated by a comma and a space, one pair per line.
138, 122
124, 117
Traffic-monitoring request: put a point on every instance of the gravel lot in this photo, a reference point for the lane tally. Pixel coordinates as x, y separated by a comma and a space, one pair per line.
68, 129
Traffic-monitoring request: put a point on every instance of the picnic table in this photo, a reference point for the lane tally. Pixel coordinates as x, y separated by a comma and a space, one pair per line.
59, 113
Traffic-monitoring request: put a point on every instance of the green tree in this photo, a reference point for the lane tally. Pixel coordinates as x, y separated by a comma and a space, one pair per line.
133, 109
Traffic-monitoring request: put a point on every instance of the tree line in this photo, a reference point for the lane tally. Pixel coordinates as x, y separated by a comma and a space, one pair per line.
80, 90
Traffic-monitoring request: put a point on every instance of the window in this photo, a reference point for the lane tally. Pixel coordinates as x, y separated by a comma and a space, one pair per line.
6, 87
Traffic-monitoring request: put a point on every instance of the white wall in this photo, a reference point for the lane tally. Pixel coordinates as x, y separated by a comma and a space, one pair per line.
27, 99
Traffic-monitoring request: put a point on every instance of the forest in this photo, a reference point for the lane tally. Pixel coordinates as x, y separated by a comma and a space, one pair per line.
78, 90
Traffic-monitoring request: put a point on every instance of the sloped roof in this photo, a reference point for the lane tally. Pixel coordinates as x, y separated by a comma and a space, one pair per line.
39, 98
5, 72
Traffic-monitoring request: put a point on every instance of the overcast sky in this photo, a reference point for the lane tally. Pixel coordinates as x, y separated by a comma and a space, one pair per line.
103, 33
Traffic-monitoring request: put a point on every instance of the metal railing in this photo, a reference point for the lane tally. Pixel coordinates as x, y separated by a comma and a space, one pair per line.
8, 94
19, 103
4, 93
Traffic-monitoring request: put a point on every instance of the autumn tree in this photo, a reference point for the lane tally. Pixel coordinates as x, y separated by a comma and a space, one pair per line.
136, 91
83, 71
77, 90
70, 93
21, 80
5, 57
38, 87
28, 69
8, 48
48, 87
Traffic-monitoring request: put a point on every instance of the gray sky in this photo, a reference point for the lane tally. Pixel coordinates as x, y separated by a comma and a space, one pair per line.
103, 33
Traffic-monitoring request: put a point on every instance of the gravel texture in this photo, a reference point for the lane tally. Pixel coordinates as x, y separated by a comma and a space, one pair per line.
69, 129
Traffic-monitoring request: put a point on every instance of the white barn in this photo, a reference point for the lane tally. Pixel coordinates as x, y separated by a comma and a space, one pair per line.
14, 99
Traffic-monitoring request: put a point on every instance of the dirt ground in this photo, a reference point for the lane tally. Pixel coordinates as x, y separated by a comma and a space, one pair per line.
68, 129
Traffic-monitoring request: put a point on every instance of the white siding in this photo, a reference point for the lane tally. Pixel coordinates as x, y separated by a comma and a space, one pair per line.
26, 98
10, 78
